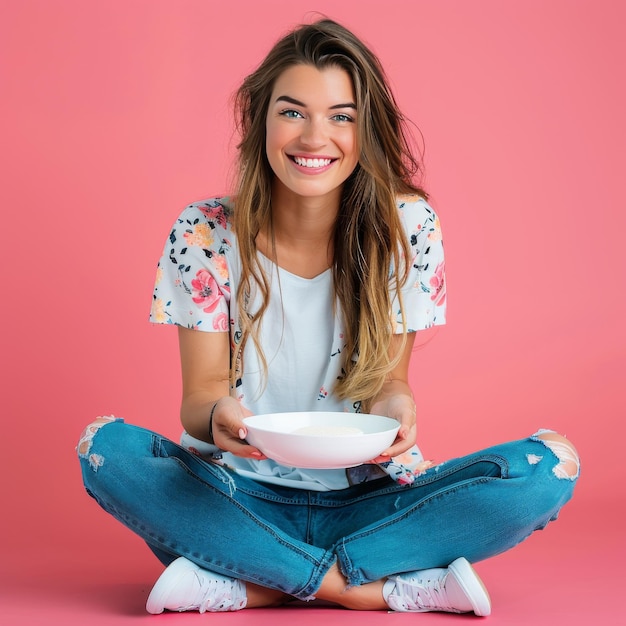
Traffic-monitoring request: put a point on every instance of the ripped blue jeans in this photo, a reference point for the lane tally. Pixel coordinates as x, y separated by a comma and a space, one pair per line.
475, 506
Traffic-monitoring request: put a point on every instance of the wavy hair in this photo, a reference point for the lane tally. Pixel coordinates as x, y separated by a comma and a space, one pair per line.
370, 244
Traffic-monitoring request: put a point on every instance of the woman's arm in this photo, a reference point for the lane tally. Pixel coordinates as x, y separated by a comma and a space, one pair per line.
396, 400
205, 366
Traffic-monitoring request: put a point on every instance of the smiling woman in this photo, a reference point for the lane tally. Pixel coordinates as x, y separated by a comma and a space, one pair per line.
303, 293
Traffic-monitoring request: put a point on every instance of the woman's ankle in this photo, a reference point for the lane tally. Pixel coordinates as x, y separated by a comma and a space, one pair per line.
335, 588
262, 596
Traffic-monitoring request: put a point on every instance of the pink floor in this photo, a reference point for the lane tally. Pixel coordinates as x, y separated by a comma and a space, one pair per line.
571, 573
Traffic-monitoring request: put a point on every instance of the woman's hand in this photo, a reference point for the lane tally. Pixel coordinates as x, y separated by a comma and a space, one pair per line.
228, 430
399, 406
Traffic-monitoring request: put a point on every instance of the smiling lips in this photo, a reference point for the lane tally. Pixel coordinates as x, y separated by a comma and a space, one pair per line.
312, 163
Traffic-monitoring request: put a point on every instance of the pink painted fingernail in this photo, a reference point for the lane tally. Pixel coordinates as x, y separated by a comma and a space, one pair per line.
242, 433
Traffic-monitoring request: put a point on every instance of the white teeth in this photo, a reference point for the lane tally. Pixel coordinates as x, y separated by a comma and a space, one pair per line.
312, 162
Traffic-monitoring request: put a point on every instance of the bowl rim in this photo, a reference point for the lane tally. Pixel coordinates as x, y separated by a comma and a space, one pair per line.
393, 424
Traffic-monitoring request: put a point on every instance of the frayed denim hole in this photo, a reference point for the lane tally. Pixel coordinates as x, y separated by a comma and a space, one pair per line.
85, 442
562, 452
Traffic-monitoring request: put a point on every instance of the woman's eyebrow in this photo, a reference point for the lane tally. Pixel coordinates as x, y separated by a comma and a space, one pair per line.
347, 105
290, 100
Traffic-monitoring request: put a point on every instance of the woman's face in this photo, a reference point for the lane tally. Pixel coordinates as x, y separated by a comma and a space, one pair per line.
311, 131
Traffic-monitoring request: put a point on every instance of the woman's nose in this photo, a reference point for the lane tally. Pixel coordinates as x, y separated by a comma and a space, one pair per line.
314, 133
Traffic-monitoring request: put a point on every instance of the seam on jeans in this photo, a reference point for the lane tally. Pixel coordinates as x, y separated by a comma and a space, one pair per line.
159, 449
309, 515
222, 475
418, 505
432, 475
307, 592
345, 564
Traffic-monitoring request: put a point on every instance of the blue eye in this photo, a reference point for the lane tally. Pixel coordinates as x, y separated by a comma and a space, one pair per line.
342, 117
290, 113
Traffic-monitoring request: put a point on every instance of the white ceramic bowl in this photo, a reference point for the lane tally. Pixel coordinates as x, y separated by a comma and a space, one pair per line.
321, 439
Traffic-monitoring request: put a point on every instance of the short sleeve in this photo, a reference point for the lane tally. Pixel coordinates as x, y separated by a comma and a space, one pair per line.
192, 287
424, 293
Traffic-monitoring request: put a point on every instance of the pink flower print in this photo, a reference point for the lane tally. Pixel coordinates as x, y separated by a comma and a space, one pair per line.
215, 213
438, 285
159, 275
221, 266
206, 293
221, 322
201, 235
405, 479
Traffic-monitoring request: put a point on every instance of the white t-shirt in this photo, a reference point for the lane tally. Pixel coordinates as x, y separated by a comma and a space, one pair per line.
302, 338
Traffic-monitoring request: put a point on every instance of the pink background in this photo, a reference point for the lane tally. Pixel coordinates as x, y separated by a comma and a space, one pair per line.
116, 114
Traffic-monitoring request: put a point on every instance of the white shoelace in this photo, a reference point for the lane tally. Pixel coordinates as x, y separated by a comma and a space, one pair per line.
422, 594
219, 595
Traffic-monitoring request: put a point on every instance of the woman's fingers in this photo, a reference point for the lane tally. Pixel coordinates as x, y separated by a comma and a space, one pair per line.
229, 430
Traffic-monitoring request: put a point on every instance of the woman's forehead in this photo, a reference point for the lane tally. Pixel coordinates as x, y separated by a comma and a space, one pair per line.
310, 85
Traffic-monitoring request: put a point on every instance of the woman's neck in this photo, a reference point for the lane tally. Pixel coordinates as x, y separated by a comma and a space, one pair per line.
300, 238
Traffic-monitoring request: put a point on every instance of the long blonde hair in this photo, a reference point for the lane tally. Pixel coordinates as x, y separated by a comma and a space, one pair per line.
370, 245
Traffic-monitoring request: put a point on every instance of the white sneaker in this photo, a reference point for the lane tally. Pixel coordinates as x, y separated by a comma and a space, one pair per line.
184, 586
455, 589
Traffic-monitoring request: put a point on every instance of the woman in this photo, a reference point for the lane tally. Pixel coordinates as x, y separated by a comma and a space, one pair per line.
306, 292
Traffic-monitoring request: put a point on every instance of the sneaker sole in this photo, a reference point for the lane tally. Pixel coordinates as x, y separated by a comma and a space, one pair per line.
477, 592
173, 572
